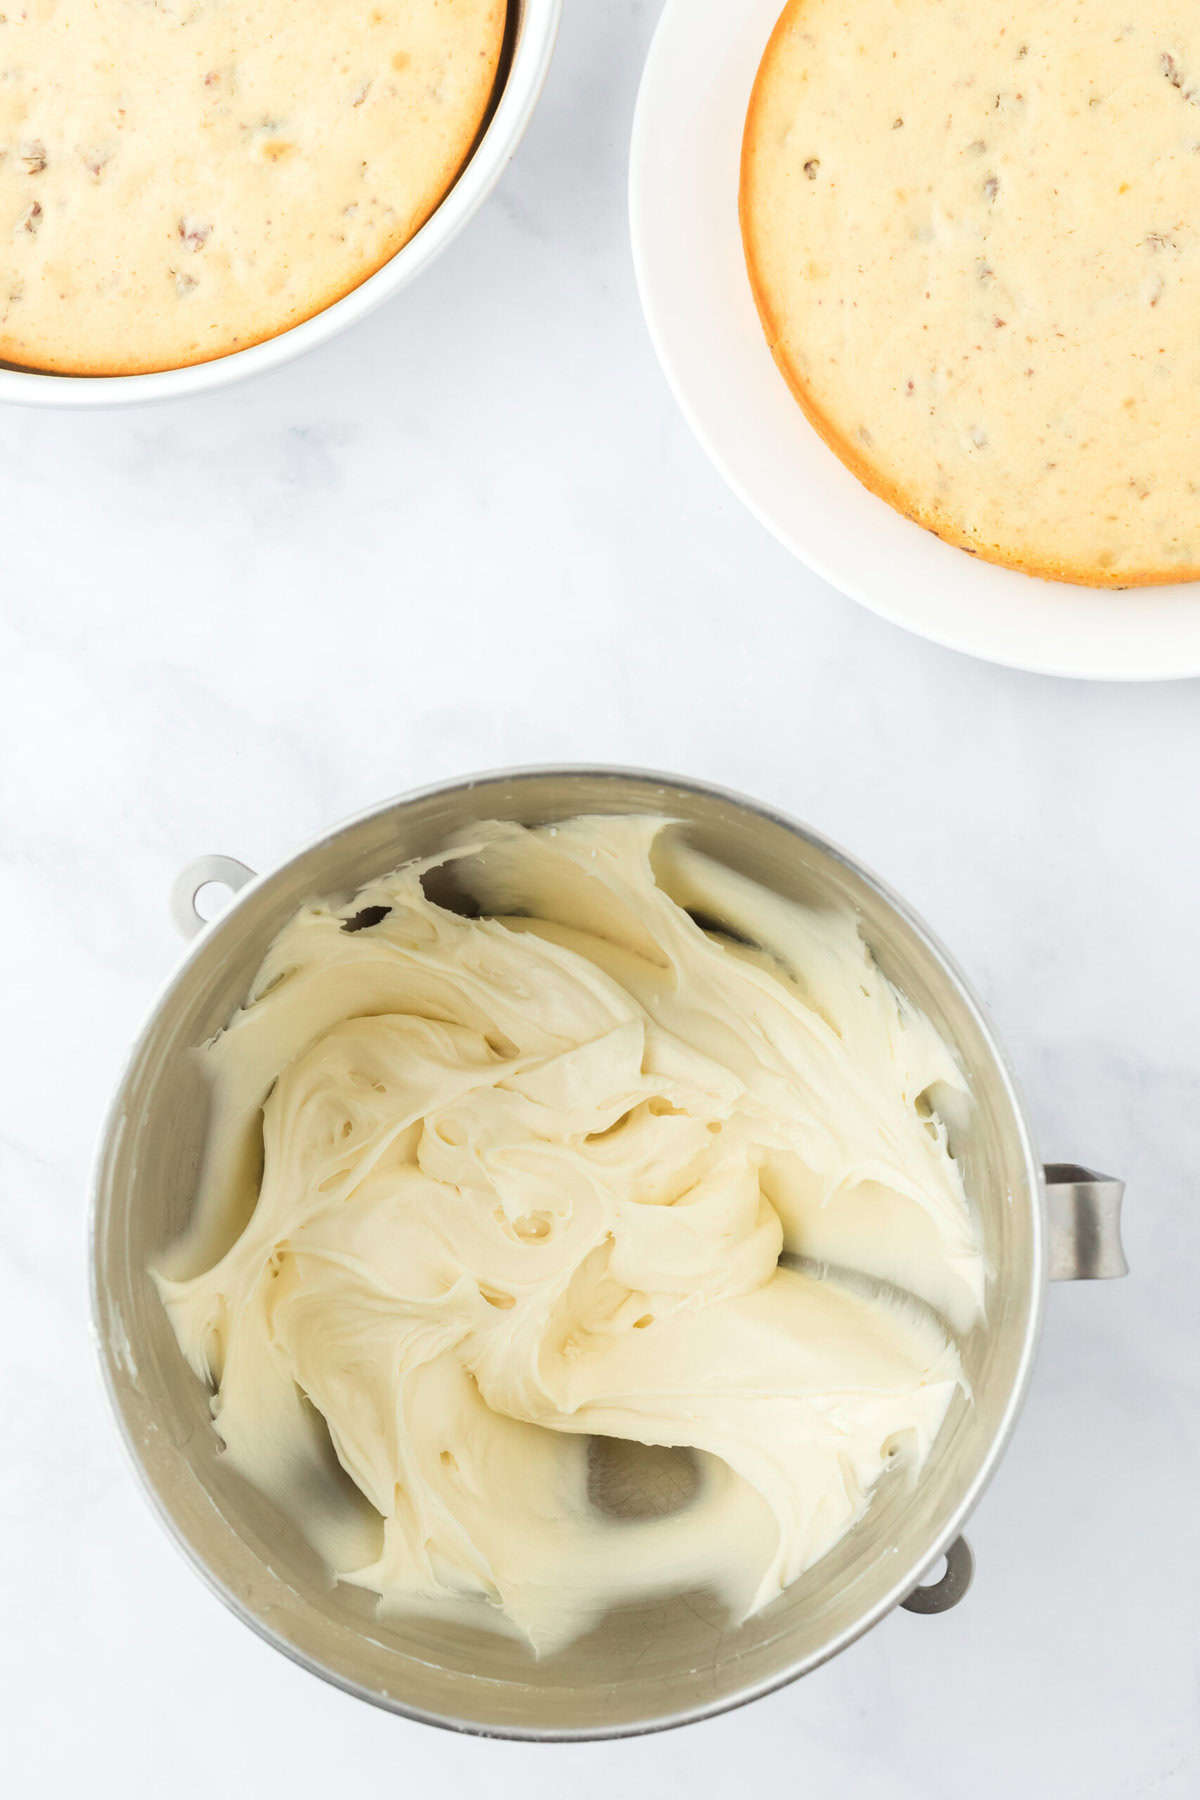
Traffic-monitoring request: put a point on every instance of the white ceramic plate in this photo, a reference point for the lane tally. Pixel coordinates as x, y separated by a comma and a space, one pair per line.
535, 26
687, 248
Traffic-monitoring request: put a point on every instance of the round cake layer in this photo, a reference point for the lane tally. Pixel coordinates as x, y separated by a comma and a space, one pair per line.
973, 234
182, 179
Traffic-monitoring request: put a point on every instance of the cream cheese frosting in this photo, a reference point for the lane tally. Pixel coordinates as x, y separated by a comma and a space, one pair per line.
504, 1158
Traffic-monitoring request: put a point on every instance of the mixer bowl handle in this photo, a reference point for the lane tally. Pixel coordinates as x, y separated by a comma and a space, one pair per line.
1083, 1224
207, 871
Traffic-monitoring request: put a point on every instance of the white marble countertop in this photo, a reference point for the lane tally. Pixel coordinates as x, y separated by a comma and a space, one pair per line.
475, 532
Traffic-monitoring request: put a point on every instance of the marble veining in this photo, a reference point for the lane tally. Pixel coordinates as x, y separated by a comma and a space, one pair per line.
475, 531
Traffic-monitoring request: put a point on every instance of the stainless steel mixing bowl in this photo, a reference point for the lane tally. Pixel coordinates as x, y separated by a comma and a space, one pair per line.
644, 1666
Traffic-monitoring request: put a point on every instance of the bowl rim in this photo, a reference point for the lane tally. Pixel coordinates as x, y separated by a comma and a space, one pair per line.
112, 1130
535, 26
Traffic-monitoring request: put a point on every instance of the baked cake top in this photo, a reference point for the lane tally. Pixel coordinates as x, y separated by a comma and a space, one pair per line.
973, 234
180, 178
